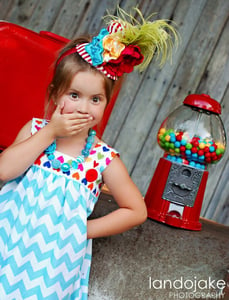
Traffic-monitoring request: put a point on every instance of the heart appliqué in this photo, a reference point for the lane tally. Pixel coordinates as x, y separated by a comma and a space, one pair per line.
47, 164
102, 169
92, 152
113, 154
61, 159
84, 181
95, 164
100, 156
108, 161
38, 160
80, 167
88, 159
105, 149
37, 127
90, 186
76, 176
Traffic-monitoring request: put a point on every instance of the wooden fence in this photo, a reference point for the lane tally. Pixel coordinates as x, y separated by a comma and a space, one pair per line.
199, 65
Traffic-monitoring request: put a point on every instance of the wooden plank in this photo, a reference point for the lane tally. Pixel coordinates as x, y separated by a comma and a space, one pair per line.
219, 206
128, 4
200, 49
21, 12
216, 84
5, 6
217, 191
69, 19
45, 14
224, 215
216, 75
92, 20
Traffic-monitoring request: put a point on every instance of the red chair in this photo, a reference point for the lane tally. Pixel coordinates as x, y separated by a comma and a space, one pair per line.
26, 65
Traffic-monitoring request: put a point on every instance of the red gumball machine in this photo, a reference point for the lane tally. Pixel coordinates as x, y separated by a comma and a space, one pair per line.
192, 137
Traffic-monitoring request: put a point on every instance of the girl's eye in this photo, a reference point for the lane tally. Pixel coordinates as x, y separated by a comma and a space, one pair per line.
74, 96
95, 99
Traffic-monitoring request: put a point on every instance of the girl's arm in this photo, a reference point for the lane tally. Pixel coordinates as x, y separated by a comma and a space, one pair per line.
132, 210
18, 157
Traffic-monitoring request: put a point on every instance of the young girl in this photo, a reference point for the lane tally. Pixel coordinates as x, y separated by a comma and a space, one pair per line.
55, 169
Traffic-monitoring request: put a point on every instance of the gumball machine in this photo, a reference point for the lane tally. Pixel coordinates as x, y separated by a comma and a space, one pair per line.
192, 137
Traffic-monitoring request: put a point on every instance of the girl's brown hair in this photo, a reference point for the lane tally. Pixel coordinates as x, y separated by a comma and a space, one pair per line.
66, 70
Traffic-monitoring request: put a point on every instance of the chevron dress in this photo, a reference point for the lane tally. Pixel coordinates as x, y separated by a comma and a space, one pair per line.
44, 251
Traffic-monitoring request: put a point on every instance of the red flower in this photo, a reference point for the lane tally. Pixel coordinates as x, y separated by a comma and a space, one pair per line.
131, 56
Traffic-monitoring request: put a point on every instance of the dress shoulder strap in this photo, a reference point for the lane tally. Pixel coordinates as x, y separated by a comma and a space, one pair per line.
37, 124
102, 155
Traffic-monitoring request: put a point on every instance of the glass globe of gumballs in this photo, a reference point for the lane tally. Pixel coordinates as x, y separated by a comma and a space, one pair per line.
194, 134
192, 137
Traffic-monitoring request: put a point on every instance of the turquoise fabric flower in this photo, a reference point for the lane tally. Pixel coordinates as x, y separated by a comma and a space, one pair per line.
95, 48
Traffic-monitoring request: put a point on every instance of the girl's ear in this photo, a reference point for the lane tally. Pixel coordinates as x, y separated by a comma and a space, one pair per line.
50, 88
54, 100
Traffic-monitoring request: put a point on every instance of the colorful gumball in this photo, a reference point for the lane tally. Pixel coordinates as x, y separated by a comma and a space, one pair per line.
195, 149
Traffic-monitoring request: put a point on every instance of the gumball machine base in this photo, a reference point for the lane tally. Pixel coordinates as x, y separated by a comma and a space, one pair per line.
175, 194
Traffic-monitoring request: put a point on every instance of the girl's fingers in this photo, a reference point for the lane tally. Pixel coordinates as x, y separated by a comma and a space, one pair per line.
84, 121
59, 108
75, 116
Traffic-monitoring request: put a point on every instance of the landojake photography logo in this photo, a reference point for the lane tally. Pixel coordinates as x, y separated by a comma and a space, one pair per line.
189, 288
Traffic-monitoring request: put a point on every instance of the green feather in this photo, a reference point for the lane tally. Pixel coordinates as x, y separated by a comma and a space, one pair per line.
153, 38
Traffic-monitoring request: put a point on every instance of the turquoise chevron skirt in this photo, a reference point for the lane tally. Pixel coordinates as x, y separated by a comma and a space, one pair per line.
44, 251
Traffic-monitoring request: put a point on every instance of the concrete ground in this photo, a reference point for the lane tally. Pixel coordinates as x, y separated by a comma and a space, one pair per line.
156, 261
